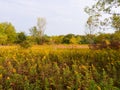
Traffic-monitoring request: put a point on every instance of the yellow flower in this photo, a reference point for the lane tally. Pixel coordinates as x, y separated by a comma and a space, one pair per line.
25, 77
14, 70
98, 88
83, 67
76, 72
0, 76
8, 78
9, 63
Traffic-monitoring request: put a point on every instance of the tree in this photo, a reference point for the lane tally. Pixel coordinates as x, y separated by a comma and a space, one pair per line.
41, 26
10, 32
115, 40
66, 38
7, 30
56, 39
34, 35
103, 15
3, 39
21, 37
98, 12
73, 40
33, 31
78, 39
38, 31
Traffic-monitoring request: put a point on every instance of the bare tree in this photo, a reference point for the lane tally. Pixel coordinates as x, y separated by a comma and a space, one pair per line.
37, 31
41, 26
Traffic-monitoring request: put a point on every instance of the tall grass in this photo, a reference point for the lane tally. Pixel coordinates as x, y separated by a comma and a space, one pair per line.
50, 68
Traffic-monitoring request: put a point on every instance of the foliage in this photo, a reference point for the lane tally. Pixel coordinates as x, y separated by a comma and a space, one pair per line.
47, 67
26, 44
21, 37
56, 39
116, 22
71, 39
8, 33
98, 21
3, 39
103, 15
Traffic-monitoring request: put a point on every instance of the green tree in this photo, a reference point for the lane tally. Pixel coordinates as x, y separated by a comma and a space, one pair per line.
102, 37
66, 38
78, 39
33, 31
3, 39
21, 37
34, 34
56, 39
46, 39
7, 30
73, 40
11, 33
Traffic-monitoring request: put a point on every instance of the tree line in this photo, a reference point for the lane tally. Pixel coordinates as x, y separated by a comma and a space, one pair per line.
9, 36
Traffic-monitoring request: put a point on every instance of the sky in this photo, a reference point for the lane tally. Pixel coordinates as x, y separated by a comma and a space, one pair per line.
62, 16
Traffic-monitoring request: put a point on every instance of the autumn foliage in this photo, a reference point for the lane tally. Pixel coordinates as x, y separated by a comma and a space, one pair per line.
50, 68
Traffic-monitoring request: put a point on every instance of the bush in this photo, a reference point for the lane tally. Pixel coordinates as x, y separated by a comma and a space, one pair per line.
26, 44
45, 68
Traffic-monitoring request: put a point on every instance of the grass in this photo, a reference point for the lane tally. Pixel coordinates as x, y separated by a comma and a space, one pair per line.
59, 67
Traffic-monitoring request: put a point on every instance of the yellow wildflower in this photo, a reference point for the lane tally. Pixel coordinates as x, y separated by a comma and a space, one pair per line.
0, 76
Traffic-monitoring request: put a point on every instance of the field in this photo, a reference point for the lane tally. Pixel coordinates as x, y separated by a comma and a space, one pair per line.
59, 67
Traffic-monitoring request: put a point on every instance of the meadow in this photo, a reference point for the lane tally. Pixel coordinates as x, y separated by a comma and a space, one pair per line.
59, 67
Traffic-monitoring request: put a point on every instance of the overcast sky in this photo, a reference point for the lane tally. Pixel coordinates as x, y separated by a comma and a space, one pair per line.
63, 16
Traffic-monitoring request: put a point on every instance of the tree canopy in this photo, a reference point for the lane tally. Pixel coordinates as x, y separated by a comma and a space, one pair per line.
103, 15
7, 33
